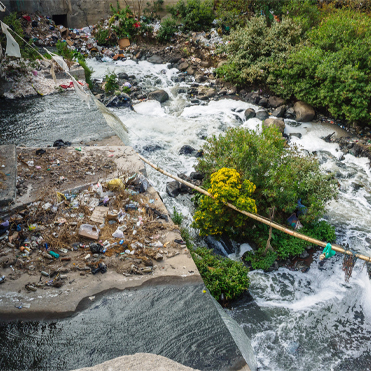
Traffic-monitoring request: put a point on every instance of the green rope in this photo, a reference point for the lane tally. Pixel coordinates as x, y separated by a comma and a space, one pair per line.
329, 253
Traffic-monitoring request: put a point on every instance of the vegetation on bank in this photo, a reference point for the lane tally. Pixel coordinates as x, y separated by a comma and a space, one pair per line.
320, 55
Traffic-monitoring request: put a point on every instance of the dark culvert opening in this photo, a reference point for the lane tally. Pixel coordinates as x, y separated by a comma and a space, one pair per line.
60, 19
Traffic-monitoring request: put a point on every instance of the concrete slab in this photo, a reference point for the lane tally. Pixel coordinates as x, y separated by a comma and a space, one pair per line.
8, 174
64, 169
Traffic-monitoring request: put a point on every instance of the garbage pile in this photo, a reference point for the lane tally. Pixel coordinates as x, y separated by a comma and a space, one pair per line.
111, 226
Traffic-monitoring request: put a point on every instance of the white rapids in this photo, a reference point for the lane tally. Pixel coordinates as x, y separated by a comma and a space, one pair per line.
312, 321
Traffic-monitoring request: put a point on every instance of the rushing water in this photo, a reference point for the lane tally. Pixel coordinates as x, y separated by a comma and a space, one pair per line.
312, 321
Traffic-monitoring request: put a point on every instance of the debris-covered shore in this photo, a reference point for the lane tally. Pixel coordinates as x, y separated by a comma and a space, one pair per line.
113, 233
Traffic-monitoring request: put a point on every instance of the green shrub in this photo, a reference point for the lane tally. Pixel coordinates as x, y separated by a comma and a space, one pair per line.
260, 261
196, 15
105, 37
63, 50
70, 55
126, 90
167, 30
256, 50
282, 175
284, 245
333, 69
111, 83
123, 22
177, 218
304, 12
221, 275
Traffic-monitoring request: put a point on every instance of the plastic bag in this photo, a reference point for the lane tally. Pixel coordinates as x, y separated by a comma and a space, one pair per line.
118, 233
115, 184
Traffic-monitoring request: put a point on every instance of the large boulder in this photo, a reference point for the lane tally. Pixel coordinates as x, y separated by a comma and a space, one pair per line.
249, 113
159, 95
304, 112
279, 123
275, 102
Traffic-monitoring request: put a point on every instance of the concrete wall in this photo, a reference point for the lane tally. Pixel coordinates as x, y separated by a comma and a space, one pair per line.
80, 13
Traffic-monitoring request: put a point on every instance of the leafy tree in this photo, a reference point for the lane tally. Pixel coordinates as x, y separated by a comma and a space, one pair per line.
281, 175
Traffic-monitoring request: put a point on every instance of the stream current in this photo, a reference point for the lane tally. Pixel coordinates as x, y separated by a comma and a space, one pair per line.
297, 321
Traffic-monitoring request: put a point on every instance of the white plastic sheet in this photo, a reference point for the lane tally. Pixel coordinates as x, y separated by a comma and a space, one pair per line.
2, 7
12, 47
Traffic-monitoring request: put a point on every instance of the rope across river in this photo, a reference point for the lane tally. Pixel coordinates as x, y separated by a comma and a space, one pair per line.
259, 218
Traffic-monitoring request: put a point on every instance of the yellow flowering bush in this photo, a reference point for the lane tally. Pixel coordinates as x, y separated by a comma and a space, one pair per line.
212, 216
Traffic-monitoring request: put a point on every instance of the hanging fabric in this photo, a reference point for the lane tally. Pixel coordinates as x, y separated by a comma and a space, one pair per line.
80, 92
78, 89
52, 72
348, 264
2, 7
60, 61
12, 47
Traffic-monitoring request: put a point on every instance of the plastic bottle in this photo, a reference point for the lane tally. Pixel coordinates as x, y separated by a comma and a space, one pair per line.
54, 254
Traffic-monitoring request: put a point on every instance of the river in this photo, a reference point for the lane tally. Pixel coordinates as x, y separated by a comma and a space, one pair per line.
297, 321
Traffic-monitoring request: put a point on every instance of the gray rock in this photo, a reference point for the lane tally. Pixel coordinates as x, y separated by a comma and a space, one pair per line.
253, 98
262, 115
175, 60
279, 123
279, 111
205, 64
250, 113
156, 59
263, 102
187, 150
5, 86
276, 102
290, 113
173, 188
200, 77
196, 175
183, 66
159, 95
304, 112
183, 187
